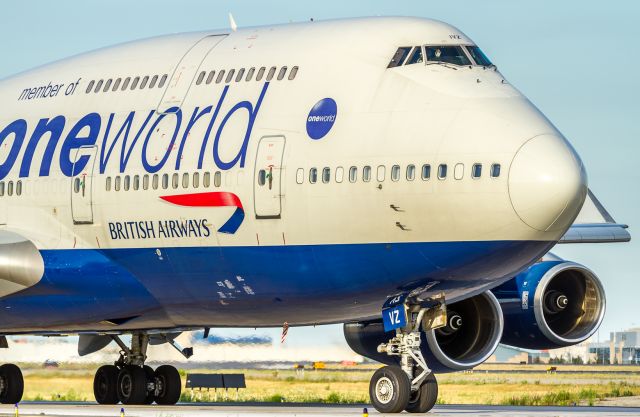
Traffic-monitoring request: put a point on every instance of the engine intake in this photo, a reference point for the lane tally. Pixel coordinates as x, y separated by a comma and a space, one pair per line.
552, 304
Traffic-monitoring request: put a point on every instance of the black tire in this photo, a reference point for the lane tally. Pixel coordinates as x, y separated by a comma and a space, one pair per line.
13, 384
105, 385
390, 389
425, 398
132, 385
148, 371
169, 385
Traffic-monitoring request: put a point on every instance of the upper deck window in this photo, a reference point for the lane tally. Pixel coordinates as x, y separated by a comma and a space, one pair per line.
446, 54
478, 56
416, 56
399, 57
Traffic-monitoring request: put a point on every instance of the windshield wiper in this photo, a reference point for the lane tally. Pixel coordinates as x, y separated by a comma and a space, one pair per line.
444, 64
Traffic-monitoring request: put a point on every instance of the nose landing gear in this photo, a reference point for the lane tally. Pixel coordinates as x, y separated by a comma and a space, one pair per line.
130, 381
411, 386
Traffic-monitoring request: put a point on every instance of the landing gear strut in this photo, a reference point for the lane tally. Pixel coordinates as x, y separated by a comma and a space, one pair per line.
411, 386
130, 381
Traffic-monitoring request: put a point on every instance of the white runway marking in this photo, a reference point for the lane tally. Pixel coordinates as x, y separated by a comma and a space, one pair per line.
274, 410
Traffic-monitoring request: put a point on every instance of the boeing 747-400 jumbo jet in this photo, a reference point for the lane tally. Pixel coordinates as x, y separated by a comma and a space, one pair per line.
376, 172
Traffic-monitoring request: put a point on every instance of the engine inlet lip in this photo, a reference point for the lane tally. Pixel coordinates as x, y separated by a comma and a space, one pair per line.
496, 336
538, 302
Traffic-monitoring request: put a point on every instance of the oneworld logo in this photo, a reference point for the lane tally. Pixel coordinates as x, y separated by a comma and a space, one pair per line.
321, 118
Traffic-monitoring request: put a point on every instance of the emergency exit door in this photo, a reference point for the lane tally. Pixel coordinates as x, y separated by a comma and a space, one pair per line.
185, 73
267, 181
82, 185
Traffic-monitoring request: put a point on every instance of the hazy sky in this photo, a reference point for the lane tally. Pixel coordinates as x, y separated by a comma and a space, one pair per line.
577, 60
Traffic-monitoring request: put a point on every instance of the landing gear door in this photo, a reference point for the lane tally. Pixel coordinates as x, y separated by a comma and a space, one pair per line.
82, 185
185, 74
267, 181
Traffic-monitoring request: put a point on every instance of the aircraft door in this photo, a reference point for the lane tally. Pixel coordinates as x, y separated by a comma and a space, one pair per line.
267, 181
82, 186
185, 73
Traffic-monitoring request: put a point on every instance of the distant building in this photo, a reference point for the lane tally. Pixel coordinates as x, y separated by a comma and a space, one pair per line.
622, 348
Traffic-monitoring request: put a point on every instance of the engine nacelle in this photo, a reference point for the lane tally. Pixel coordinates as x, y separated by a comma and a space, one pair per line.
471, 336
550, 305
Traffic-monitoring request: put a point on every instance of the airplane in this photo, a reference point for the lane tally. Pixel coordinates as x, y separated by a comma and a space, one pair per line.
376, 172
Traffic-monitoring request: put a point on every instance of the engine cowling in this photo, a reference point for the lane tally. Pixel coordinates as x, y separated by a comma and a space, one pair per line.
550, 305
473, 332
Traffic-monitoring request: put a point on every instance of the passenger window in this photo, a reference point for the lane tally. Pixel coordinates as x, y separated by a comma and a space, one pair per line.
442, 171
366, 173
262, 177
162, 81
426, 172
210, 77
19, 187
381, 172
76, 185
447, 54
2, 188
313, 175
399, 57
300, 176
250, 74
175, 181
220, 77
144, 82
127, 182
153, 82
260, 73
326, 175
107, 184
10, 188
90, 86
339, 174
271, 73
240, 74
495, 170
145, 182
135, 82
165, 181
154, 182
98, 86
353, 174
185, 180
206, 180
107, 85
476, 171
293, 73
411, 172
416, 56
116, 85
282, 73
395, 173
136, 182
117, 184
230, 76
458, 171
125, 84
201, 77
196, 180
217, 179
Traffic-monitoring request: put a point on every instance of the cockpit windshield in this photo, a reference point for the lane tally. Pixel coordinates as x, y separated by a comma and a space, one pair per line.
479, 56
447, 54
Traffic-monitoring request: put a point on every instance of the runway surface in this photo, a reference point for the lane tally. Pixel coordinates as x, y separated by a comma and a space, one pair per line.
289, 410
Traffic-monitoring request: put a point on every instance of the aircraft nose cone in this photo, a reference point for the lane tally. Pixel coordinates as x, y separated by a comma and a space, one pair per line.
547, 183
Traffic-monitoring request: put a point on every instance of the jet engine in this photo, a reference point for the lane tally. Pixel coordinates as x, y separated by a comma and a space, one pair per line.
473, 331
552, 304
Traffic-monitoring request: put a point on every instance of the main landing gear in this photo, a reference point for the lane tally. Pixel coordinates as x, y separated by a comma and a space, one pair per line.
130, 381
411, 386
11, 384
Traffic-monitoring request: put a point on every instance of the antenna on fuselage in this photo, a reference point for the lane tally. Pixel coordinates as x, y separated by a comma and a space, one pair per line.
232, 23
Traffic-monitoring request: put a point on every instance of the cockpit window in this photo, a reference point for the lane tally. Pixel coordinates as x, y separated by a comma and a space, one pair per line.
446, 54
399, 57
479, 56
416, 56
